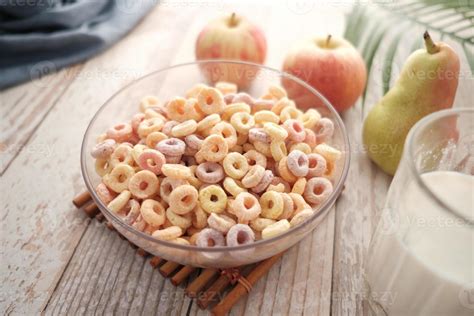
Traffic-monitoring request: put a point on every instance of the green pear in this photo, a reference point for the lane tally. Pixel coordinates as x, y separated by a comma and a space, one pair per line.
427, 83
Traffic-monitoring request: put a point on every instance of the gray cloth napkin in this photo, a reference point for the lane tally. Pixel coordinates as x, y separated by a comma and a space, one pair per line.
38, 37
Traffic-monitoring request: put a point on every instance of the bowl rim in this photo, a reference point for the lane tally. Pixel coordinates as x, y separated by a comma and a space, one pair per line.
322, 210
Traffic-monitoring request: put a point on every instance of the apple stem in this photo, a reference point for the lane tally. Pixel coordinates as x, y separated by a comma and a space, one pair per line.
431, 47
328, 39
232, 21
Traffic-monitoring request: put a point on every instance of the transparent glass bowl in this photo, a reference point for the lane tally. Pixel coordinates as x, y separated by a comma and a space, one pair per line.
175, 81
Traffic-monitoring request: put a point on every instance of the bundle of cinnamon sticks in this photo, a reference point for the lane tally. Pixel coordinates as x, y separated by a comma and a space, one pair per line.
210, 284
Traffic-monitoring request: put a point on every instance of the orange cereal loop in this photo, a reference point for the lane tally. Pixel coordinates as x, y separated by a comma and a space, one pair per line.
183, 199
211, 100
195, 90
277, 92
226, 87
168, 233
299, 186
329, 153
176, 109
310, 118
285, 172
152, 212
248, 147
263, 148
237, 149
148, 101
246, 207
242, 139
255, 158
299, 202
154, 138
214, 148
104, 194
176, 171
199, 217
305, 148
118, 179
184, 129
232, 186
253, 176
234, 108
168, 185
192, 110
276, 187
120, 132
227, 131
144, 184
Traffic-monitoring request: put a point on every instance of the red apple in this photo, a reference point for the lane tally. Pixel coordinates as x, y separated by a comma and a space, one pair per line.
329, 64
231, 37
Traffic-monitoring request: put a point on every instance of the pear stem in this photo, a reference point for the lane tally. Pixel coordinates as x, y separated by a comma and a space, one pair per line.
431, 47
232, 21
328, 39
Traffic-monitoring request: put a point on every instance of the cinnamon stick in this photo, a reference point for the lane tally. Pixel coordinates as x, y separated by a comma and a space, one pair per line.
168, 268
92, 210
217, 287
182, 275
200, 282
100, 217
141, 252
239, 290
81, 199
155, 261
110, 226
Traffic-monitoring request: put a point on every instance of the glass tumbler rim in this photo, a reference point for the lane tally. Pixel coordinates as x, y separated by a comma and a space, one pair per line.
410, 155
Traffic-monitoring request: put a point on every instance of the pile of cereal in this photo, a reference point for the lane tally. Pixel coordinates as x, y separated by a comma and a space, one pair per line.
218, 167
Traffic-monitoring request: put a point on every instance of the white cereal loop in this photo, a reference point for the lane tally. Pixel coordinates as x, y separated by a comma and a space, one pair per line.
318, 190
301, 217
209, 237
221, 223
240, 234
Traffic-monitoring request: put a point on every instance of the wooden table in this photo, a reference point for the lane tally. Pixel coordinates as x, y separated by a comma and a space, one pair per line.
56, 260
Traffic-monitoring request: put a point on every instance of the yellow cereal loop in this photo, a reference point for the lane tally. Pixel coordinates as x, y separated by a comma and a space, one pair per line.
263, 148
278, 150
147, 102
211, 100
242, 122
275, 131
184, 129
176, 109
248, 147
147, 126
213, 199
233, 108
214, 148
265, 116
232, 186
276, 229
281, 104
144, 184
242, 139
199, 217
195, 90
285, 172
277, 92
290, 113
182, 221
237, 149
137, 150
299, 186
299, 203
331, 154
227, 131
235, 165
117, 204
102, 167
280, 187
117, 180
310, 118
261, 223
272, 204
176, 171
301, 217
226, 87
151, 140
121, 155
208, 122
301, 147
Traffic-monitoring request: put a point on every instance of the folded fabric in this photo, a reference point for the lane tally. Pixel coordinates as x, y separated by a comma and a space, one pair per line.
38, 37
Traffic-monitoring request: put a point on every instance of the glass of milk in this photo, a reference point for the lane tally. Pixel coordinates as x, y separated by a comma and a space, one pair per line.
421, 256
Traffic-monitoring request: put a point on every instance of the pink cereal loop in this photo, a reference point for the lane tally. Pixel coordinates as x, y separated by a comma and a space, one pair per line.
194, 141
168, 126
240, 234
310, 137
104, 194
317, 190
243, 97
168, 185
173, 159
295, 128
298, 163
259, 134
264, 183
171, 147
316, 165
136, 120
210, 172
151, 160
131, 211
104, 149
324, 130
120, 132
209, 237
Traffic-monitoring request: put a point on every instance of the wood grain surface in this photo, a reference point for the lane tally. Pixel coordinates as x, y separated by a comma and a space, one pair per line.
57, 261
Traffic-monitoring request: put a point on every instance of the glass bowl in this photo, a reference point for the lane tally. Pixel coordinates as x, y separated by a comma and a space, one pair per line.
175, 81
